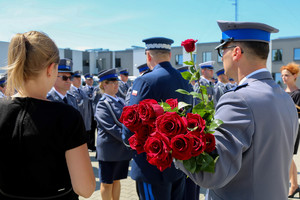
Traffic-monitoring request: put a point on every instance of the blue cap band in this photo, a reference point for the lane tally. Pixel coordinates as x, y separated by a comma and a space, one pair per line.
64, 67
220, 72
247, 34
207, 66
108, 77
124, 72
143, 69
1, 82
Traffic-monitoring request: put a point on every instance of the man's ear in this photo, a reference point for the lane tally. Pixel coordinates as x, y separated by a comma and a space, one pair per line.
149, 56
237, 53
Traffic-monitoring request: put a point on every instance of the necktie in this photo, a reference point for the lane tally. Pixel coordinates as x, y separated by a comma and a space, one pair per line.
65, 100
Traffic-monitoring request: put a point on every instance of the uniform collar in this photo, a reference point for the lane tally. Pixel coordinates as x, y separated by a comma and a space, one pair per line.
205, 79
59, 94
251, 74
114, 98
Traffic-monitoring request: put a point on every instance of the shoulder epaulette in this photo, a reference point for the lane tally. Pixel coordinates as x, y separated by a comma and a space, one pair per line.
237, 87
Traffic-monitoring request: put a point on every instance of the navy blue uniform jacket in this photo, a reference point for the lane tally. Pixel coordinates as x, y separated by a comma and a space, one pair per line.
160, 84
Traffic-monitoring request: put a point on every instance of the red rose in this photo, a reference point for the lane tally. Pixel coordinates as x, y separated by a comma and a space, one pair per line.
130, 117
210, 142
181, 147
189, 45
195, 120
149, 110
171, 124
136, 144
158, 151
199, 143
172, 102
144, 131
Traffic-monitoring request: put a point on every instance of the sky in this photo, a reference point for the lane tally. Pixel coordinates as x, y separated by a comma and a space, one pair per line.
121, 24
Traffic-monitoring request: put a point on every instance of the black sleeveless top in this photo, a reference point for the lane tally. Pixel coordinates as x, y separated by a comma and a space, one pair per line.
34, 136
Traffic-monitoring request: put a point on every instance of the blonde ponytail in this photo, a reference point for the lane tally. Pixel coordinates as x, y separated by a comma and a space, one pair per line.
28, 55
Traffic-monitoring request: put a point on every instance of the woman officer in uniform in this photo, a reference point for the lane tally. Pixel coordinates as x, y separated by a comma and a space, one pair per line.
112, 154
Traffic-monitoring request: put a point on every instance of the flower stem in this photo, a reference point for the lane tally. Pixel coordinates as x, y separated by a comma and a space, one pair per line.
191, 54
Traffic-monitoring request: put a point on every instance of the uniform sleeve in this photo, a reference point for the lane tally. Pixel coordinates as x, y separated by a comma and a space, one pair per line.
76, 134
233, 138
106, 121
140, 91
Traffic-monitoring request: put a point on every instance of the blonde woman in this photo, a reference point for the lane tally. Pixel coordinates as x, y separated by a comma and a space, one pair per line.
43, 148
289, 75
112, 154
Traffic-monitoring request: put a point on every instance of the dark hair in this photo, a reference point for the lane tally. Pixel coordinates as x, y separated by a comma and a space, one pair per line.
259, 49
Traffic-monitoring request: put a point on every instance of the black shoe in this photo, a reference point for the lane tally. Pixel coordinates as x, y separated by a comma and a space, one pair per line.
295, 192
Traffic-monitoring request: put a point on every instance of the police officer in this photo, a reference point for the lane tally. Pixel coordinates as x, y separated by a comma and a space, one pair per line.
63, 83
160, 84
142, 70
112, 154
2, 86
255, 143
222, 85
90, 91
82, 100
124, 83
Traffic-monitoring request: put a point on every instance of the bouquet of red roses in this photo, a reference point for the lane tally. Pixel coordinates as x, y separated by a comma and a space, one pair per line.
163, 131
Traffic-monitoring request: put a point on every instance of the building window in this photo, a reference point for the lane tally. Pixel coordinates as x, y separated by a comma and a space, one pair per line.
206, 56
179, 59
101, 63
85, 63
278, 79
118, 62
297, 54
277, 55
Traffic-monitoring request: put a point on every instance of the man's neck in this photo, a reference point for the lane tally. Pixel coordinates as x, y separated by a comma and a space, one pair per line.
154, 63
62, 92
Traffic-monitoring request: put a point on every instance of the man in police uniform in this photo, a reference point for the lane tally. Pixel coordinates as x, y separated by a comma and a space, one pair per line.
222, 85
2, 86
207, 73
82, 100
124, 84
90, 91
256, 141
63, 83
160, 84
142, 70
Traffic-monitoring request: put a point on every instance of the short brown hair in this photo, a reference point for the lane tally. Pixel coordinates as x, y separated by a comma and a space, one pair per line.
259, 49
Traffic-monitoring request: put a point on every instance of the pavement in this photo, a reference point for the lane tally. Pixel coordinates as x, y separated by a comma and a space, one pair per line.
128, 191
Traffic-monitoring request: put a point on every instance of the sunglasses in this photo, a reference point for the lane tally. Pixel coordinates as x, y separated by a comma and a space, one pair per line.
65, 78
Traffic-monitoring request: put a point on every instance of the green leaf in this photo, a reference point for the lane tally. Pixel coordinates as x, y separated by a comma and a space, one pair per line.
192, 69
196, 95
190, 164
195, 76
186, 75
206, 162
189, 62
215, 124
199, 109
183, 91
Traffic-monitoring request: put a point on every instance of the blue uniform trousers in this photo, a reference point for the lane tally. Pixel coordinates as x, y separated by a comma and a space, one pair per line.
161, 191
